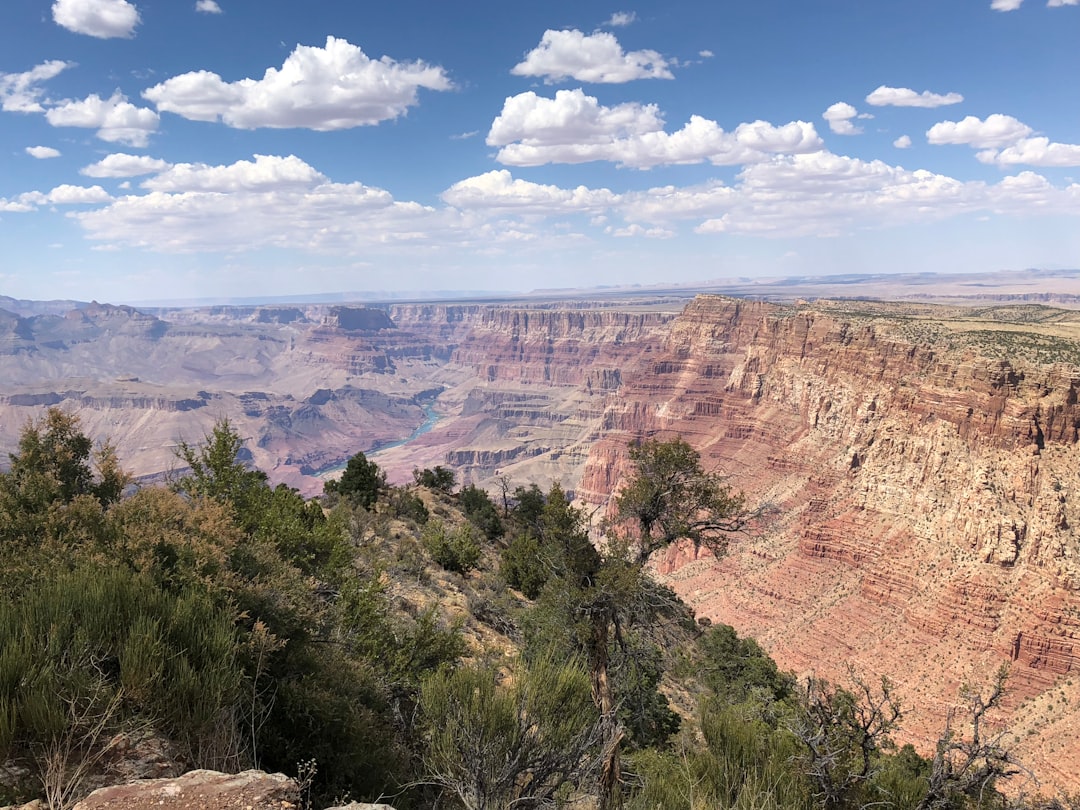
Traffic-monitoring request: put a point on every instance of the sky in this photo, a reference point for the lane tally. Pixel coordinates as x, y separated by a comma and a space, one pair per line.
179, 149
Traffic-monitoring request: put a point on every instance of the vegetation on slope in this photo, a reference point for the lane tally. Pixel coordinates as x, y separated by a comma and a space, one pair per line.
430, 648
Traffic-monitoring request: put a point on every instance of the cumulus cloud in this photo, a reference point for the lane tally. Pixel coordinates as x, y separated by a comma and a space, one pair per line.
594, 57
42, 152
77, 195
265, 173
330, 88
903, 142
19, 92
263, 203
1033, 152
120, 164
621, 19
207, 6
281, 202
116, 119
996, 131
575, 128
103, 19
905, 97
498, 190
825, 194
839, 116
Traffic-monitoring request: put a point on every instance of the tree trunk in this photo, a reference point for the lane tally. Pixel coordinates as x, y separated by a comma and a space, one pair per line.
609, 792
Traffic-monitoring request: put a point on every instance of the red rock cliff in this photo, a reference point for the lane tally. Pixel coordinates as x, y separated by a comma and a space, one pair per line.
925, 503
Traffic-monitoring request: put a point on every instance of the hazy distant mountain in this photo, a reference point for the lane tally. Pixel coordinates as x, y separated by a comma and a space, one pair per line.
28, 308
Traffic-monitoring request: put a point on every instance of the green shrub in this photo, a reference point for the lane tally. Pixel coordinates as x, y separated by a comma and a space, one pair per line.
508, 745
523, 567
454, 549
362, 482
439, 479
481, 511
75, 645
405, 504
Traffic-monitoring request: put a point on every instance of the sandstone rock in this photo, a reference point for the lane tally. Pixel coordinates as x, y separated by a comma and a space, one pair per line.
199, 790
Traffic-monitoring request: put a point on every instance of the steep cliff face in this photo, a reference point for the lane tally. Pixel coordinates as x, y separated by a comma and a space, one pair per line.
923, 501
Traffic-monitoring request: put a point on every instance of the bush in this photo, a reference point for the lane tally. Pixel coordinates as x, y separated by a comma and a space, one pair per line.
523, 567
511, 745
440, 479
362, 482
455, 550
99, 648
481, 511
405, 504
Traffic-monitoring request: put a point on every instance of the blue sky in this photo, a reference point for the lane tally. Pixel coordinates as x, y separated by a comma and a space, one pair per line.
155, 149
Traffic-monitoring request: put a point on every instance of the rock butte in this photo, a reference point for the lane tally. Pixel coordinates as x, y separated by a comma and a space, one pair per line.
921, 463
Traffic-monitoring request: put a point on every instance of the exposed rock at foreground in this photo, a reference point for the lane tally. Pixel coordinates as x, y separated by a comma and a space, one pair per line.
924, 493
199, 790
208, 790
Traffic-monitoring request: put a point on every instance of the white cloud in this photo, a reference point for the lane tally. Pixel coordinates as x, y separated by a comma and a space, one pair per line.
15, 206
636, 230
570, 118
824, 195
77, 195
498, 190
575, 128
706, 54
116, 119
265, 173
120, 164
207, 6
905, 97
996, 131
839, 116
103, 19
594, 57
281, 202
19, 92
251, 205
42, 152
1012, 5
1034, 152
622, 18
331, 88
903, 142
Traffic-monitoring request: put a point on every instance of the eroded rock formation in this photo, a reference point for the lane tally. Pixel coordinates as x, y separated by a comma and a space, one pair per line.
924, 500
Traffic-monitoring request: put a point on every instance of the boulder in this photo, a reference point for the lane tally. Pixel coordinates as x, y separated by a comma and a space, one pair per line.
199, 790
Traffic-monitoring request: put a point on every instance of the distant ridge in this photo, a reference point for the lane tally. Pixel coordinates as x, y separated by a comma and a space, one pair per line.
1031, 284
25, 308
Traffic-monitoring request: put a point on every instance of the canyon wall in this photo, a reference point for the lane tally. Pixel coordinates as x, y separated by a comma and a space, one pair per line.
922, 505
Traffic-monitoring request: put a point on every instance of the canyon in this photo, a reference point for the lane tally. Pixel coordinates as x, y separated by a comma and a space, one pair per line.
917, 464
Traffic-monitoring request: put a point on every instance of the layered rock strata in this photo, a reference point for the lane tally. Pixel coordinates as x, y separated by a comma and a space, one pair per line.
922, 503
